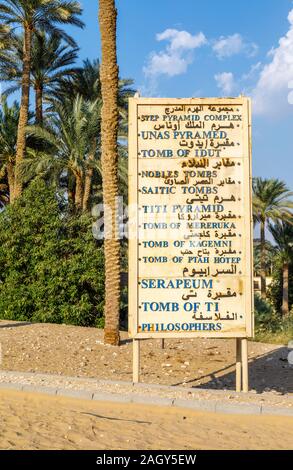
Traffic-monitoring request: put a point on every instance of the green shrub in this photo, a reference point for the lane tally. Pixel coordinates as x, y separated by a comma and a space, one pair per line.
270, 326
264, 314
51, 266
275, 290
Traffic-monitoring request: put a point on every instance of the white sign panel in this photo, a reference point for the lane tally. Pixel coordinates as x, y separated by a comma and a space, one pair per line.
190, 220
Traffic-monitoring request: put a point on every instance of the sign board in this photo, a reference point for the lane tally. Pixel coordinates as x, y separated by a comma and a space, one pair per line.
190, 218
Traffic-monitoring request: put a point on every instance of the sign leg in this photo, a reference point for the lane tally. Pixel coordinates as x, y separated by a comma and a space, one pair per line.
244, 354
162, 343
136, 360
238, 365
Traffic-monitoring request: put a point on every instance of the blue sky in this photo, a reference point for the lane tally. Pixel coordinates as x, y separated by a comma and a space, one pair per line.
213, 48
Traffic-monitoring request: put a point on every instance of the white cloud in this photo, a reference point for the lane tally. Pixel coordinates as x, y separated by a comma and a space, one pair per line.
271, 91
165, 63
227, 46
253, 72
177, 55
225, 81
228, 83
181, 39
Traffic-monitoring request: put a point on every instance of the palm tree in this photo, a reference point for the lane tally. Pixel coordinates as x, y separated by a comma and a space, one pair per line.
5, 43
73, 128
271, 202
50, 63
283, 236
270, 253
68, 144
4, 191
32, 16
4, 197
9, 117
4, 35
86, 82
109, 127
93, 156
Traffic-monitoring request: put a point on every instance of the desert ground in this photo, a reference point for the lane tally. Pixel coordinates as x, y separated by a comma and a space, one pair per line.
37, 421
77, 351
32, 421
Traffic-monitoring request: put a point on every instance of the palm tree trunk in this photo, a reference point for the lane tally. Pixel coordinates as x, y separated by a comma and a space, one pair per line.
71, 192
39, 105
262, 260
24, 110
285, 303
87, 189
88, 177
10, 179
78, 191
109, 161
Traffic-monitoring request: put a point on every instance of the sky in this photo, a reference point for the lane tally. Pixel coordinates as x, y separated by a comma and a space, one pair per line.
189, 48
205, 49
211, 48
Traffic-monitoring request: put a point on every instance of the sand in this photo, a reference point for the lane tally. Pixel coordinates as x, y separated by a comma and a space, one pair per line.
33, 421
77, 351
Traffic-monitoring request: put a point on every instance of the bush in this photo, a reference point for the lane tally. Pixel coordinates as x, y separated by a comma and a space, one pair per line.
264, 314
275, 290
51, 266
269, 325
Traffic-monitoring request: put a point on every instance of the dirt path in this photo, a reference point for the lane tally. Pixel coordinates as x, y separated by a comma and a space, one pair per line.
32, 421
77, 351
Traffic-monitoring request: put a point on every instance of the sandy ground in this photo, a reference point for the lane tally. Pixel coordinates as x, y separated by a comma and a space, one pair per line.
32, 421
77, 351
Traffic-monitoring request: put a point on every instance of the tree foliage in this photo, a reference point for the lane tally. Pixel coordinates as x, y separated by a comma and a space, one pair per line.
275, 290
51, 266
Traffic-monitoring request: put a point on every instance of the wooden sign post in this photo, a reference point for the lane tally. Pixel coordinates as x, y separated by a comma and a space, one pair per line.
190, 222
